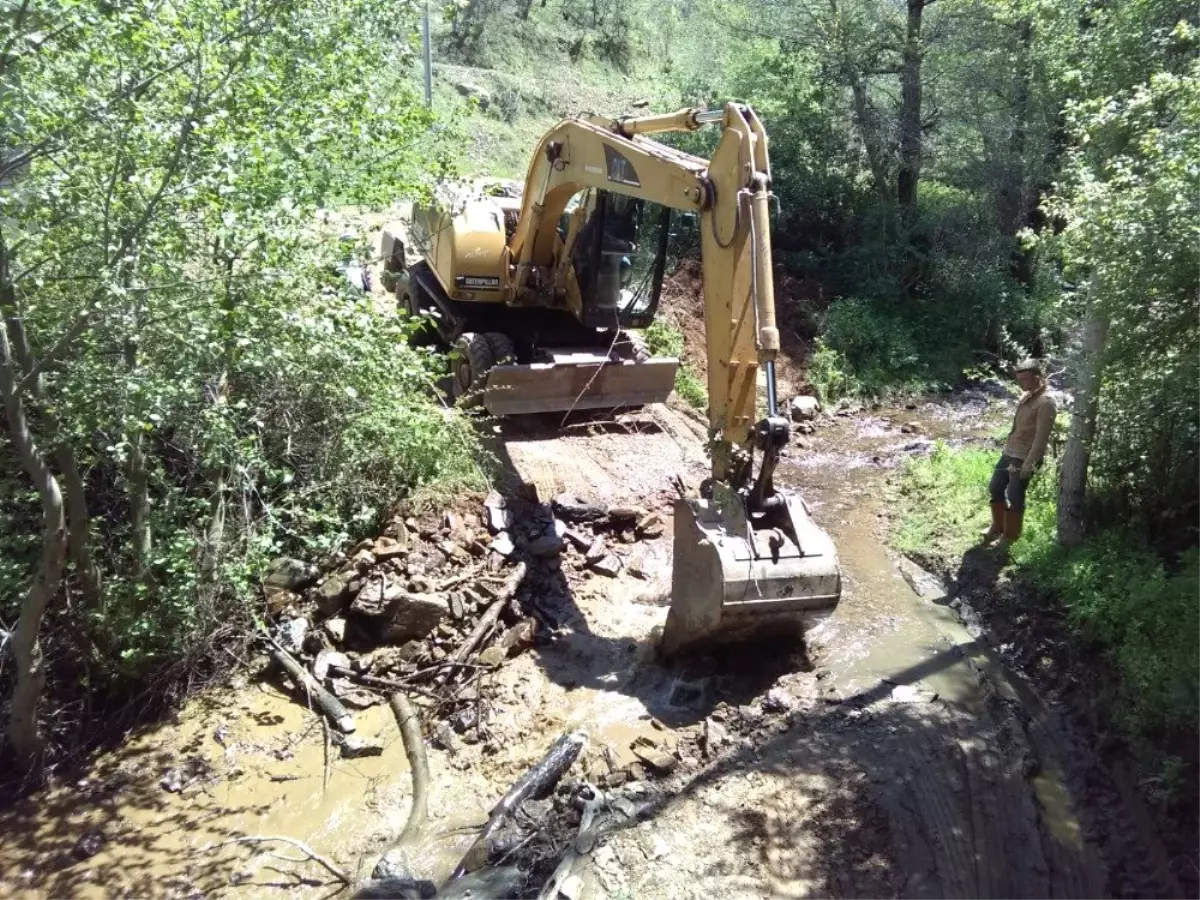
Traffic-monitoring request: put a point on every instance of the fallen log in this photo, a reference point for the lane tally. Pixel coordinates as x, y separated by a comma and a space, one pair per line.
418, 764
328, 704
537, 782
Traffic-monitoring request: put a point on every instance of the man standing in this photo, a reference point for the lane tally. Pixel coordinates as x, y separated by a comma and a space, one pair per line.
1023, 452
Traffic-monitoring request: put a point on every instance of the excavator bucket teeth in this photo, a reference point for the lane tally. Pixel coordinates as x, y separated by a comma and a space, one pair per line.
564, 386
735, 580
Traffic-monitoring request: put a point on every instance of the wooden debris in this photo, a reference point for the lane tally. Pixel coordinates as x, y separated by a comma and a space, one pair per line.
328, 704
537, 782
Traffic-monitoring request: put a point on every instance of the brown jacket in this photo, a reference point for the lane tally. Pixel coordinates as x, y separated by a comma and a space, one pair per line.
1032, 424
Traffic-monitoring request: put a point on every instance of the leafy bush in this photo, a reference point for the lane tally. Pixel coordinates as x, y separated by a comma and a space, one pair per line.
663, 340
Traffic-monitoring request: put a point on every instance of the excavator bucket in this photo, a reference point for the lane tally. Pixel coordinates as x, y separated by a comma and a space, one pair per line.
739, 577
577, 381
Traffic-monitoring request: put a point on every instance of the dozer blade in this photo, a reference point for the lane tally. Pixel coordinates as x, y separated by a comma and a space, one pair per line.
737, 580
579, 381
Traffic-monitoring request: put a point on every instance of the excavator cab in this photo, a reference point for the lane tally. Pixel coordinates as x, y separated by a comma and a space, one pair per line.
619, 259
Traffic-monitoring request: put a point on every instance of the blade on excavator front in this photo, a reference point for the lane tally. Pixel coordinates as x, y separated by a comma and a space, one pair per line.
587, 381
735, 580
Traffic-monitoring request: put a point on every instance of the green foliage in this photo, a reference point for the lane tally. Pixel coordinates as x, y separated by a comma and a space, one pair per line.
216, 372
664, 340
1140, 612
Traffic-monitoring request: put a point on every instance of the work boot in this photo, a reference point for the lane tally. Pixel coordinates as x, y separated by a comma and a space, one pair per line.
1013, 520
997, 529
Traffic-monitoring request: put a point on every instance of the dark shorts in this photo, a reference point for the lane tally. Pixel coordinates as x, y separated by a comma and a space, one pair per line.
1005, 485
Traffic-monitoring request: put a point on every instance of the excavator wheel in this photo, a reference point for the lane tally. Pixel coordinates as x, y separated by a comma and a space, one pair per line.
632, 346
472, 359
504, 352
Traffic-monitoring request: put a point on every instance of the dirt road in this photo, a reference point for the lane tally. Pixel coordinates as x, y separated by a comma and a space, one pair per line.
894, 757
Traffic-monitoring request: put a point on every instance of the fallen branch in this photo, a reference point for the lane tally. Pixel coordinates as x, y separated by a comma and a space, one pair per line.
535, 783
329, 705
308, 851
418, 764
381, 684
488, 620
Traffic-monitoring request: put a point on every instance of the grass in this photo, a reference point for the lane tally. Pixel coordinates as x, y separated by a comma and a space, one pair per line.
1138, 610
665, 340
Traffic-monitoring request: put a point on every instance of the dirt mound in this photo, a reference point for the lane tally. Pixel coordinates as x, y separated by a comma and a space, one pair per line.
798, 302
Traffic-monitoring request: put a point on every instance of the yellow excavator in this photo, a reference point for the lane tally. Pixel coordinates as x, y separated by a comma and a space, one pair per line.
540, 289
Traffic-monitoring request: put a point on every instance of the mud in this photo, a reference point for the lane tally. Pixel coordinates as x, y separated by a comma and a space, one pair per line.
894, 755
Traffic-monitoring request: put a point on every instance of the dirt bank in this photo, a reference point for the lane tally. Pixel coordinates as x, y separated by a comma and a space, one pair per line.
894, 756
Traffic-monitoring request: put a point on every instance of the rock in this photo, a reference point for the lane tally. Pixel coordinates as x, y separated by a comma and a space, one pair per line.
714, 736
923, 446
596, 551
285, 576
333, 595
777, 701
454, 551
577, 539
388, 548
637, 564
502, 544
800, 443
571, 887
278, 599
518, 638
362, 663
363, 560
911, 428
546, 546
456, 606
454, 522
624, 515
397, 616
419, 584
352, 695
804, 409
650, 525
355, 746
474, 92
335, 628
291, 634
327, 658
89, 844
609, 565
444, 737
805, 428
572, 509
172, 782
497, 515
492, 656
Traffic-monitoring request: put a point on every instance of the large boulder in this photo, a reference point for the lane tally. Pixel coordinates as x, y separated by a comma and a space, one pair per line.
394, 615
474, 92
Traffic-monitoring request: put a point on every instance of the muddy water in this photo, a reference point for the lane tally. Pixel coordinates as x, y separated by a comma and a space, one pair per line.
885, 793
162, 813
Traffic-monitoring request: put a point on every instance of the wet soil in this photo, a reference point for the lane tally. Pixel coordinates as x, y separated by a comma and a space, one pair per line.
894, 755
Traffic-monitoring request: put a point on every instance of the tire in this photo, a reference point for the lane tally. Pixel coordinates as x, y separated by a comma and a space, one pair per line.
470, 363
504, 352
407, 299
632, 346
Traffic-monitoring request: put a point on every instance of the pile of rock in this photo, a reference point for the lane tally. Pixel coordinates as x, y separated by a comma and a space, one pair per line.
444, 591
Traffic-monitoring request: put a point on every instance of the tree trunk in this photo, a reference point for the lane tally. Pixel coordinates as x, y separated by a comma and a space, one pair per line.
1014, 190
23, 731
139, 484
1072, 484
79, 520
909, 173
869, 134
525, 7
